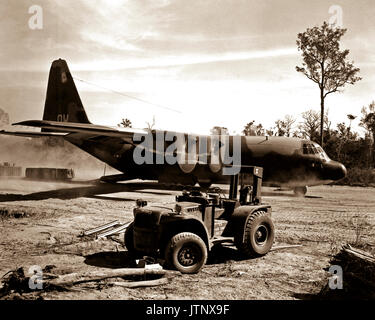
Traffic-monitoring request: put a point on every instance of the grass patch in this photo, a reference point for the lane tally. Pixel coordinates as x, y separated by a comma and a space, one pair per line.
6, 213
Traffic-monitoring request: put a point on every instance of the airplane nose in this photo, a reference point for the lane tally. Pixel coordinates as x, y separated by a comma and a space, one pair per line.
342, 171
335, 170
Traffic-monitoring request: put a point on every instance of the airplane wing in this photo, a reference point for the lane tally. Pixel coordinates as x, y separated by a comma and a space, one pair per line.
64, 128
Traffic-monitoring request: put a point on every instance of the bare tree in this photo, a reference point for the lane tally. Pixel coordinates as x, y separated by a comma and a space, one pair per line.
324, 63
259, 130
310, 125
150, 126
368, 122
249, 129
284, 127
253, 130
271, 131
219, 131
125, 122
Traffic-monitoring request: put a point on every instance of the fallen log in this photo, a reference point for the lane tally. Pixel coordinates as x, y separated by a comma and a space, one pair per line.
75, 278
16, 281
363, 255
138, 284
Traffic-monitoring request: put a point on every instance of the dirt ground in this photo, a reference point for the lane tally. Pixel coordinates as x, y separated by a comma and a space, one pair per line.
41, 221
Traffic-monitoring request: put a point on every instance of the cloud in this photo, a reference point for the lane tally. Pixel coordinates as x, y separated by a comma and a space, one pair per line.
193, 55
181, 60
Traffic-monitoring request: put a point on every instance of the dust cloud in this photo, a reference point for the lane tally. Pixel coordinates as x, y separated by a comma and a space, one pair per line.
51, 152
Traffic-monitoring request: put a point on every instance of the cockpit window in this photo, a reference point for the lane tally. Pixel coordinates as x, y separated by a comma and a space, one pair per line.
314, 148
309, 148
321, 152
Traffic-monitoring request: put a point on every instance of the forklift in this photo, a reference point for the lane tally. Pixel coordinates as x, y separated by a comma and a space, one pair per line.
183, 233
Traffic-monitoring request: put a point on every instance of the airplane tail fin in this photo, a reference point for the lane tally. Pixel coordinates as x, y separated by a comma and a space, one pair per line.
63, 103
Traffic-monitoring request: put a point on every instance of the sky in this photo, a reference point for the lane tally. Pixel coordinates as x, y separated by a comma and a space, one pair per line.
200, 63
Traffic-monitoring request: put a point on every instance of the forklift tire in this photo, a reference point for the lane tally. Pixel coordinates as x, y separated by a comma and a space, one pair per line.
129, 240
186, 252
259, 233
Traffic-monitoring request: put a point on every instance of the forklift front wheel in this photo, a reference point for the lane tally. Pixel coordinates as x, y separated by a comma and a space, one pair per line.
186, 252
259, 234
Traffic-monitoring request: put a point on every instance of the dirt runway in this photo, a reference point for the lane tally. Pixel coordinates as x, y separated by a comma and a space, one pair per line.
41, 221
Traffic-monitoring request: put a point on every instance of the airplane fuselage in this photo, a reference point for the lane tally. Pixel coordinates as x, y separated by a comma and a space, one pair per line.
289, 162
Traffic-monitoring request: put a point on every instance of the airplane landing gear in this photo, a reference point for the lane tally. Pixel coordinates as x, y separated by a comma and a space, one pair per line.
300, 191
204, 184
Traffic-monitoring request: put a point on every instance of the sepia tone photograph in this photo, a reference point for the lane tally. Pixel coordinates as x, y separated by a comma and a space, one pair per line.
201, 151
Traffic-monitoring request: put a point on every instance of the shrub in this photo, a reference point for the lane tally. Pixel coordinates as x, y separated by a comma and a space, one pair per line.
358, 177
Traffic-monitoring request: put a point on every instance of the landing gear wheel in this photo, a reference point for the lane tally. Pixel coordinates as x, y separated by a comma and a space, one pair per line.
300, 191
259, 234
205, 185
186, 252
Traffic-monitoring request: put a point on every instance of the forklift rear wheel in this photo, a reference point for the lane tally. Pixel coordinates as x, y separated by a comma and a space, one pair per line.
259, 234
129, 240
186, 252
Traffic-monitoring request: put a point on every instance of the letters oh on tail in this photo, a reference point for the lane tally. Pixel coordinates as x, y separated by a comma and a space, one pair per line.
62, 100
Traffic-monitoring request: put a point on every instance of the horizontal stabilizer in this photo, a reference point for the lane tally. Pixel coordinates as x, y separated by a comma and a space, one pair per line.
32, 134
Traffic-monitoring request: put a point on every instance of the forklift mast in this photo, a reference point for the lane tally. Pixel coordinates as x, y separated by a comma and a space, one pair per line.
249, 192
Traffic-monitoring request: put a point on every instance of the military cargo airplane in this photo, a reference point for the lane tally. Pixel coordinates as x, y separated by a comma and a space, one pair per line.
287, 162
